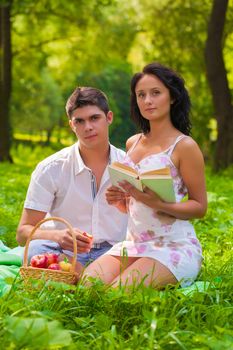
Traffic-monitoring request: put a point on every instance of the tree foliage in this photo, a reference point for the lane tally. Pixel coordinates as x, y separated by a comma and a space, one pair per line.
57, 45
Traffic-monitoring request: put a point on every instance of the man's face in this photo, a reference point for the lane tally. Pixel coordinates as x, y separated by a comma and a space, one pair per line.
90, 125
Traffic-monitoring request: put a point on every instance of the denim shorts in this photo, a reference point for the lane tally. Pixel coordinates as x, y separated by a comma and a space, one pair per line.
42, 246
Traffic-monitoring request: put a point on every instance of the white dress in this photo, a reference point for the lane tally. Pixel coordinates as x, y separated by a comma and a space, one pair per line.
170, 241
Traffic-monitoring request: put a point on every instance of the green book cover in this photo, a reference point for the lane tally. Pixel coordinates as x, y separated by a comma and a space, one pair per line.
158, 180
162, 186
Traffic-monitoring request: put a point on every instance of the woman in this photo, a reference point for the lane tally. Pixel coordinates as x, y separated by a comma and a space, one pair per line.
161, 245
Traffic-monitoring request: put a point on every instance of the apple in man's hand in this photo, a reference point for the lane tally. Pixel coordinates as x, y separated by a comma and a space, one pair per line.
54, 266
52, 258
40, 261
87, 235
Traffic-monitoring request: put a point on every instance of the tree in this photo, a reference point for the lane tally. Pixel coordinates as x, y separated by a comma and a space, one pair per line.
5, 80
217, 77
177, 38
58, 35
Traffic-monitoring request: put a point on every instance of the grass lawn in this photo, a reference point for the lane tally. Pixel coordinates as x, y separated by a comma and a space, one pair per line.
99, 317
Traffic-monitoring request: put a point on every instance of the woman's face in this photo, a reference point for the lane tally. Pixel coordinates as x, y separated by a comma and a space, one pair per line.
153, 98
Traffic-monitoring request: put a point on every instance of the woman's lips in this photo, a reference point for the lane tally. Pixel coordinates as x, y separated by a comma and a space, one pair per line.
150, 109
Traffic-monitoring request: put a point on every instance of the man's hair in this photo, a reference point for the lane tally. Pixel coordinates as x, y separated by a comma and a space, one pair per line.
86, 96
180, 107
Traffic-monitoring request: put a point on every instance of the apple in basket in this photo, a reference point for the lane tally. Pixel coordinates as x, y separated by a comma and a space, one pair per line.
65, 265
52, 258
40, 261
54, 266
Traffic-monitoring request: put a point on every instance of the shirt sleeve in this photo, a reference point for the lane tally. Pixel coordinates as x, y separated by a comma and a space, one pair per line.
41, 191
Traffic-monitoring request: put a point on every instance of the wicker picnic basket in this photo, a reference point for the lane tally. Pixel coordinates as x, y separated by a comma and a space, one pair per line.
29, 272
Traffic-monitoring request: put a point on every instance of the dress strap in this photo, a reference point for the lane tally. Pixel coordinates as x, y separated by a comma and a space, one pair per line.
134, 144
171, 148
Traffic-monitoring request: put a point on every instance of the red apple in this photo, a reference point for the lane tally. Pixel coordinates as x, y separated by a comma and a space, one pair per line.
87, 235
39, 261
54, 266
52, 258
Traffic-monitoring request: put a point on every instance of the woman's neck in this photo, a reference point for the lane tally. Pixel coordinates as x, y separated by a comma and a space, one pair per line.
162, 129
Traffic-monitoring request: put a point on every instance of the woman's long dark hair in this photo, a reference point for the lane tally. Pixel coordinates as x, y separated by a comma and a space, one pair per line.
180, 108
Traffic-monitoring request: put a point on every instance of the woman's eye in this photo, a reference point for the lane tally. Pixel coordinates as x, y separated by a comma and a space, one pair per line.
141, 95
155, 93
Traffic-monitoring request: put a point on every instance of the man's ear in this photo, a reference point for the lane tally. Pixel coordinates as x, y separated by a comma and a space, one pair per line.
71, 125
110, 117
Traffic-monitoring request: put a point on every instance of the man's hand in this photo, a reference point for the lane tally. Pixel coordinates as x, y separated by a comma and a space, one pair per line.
115, 196
83, 240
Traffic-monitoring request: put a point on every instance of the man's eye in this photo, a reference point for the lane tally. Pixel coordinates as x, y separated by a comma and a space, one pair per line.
94, 117
78, 121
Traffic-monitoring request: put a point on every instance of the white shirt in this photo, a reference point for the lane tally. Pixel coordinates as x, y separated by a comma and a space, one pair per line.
61, 185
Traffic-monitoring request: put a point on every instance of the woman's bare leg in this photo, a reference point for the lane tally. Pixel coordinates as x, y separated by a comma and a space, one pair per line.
107, 268
147, 271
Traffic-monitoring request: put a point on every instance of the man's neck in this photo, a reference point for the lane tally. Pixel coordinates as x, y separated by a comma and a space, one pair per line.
92, 156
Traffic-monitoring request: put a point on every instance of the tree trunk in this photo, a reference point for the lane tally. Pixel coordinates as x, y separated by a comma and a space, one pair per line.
217, 77
5, 81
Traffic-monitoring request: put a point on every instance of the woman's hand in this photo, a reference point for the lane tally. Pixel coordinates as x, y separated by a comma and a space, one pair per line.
115, 196
147, 197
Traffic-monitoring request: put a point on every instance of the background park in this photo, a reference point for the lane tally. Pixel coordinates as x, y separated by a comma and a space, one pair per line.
47, 47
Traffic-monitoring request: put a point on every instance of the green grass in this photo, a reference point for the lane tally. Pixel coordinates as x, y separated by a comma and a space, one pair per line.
46, 317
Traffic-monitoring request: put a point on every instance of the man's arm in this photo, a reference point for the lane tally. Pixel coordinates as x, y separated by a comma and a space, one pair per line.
63, 237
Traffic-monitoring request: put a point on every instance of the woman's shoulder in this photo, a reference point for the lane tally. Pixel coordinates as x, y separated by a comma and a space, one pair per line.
187, 142
188, 146
131, 140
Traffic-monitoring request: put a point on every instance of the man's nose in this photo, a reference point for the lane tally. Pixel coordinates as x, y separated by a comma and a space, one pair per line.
88, 125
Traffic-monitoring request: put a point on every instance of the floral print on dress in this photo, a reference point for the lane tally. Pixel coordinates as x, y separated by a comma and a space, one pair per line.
175, 258
141, 248
162, 237
147, 235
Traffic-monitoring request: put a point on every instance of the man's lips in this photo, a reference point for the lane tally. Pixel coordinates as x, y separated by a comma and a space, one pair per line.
90, 136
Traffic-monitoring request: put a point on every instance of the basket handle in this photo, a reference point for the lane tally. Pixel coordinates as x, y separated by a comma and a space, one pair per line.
25, 258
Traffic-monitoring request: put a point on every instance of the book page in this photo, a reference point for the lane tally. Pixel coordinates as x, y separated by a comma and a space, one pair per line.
117, 175
123, 167
161, 171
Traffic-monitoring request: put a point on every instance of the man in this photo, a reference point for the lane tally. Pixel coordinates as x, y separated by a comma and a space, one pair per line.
72, 183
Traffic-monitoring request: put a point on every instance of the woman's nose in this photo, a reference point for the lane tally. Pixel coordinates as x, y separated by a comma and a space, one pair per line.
147, 98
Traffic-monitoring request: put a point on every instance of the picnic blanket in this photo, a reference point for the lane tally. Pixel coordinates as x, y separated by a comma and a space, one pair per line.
10, 262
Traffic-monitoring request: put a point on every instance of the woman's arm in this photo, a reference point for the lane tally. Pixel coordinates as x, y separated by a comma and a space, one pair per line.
189, 160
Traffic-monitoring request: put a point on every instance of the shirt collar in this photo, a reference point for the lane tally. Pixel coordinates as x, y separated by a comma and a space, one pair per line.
79, 163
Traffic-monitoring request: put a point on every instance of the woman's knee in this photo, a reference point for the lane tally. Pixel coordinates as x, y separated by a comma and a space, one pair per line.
105, 268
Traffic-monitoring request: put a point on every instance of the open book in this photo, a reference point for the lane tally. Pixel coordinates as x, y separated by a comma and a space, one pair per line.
158, 180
